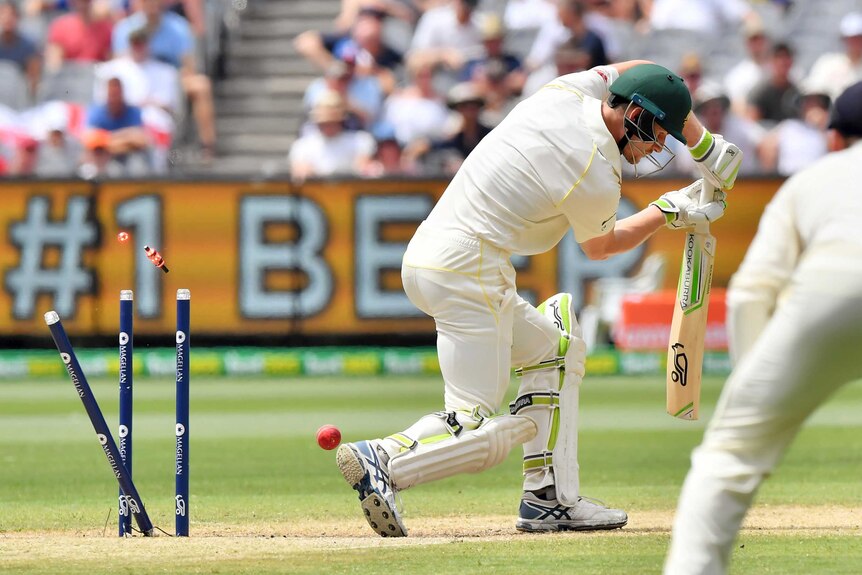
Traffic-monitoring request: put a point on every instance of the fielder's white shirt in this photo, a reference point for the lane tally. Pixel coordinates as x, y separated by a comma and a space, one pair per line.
804, 236
549, 166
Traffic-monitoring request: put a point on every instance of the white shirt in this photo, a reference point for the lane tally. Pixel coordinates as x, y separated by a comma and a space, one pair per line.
526, 14
549, 166
802, 241
799, 145
739, 80
332, 156
834, 72
551, 36
704, 16
439, 28
805, 235
614, 32
415, 118
149, 82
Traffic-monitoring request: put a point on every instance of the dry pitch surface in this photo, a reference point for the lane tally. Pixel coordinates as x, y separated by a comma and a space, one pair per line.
239, 540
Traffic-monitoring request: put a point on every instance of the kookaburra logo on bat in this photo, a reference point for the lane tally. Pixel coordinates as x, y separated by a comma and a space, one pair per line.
680, 364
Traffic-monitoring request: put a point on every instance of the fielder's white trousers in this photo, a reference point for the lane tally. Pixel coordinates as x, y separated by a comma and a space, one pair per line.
484, 327
811, 347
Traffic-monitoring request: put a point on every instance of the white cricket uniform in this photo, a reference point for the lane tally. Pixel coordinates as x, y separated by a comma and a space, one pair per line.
795, 316
551, 165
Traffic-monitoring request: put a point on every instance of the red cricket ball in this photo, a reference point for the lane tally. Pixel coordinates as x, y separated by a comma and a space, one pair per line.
328, 437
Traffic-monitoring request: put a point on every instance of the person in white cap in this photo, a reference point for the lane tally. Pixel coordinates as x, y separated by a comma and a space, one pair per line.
795, 326
837, 70
795, 143
751, 70
330, 149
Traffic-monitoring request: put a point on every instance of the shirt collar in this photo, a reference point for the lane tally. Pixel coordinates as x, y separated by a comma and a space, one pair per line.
605, 142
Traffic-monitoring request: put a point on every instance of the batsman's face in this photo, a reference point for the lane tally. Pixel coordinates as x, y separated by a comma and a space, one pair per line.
638, 148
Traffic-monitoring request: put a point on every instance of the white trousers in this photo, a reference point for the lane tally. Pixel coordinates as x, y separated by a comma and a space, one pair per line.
810, 348
484, 327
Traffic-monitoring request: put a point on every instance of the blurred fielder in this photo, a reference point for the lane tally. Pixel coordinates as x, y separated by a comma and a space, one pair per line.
795, 318
552, 165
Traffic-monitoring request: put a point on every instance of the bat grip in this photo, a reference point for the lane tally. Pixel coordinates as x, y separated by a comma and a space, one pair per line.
707, 193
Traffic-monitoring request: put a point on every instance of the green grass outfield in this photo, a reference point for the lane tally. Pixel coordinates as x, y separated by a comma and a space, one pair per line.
266, 499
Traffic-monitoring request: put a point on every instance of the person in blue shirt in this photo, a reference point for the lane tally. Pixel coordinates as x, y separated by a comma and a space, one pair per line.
172, 41
115, 114
17, 48
171, 37
128, 139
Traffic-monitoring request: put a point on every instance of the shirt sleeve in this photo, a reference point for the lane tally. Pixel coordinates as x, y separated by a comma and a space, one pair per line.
365, 145
765, 271
733, 11
298, 153
167, 89
136, 118
94, 117
591, 204
185, 38
423, 37
595, 82
120, 38
547, 39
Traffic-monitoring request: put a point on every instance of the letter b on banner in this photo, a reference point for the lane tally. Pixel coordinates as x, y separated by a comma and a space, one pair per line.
303, 256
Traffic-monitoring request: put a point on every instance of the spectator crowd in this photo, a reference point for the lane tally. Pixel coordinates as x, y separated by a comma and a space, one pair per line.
410, 87
100, 88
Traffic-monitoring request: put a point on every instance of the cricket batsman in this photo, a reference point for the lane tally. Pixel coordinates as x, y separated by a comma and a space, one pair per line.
553, 164
795, 326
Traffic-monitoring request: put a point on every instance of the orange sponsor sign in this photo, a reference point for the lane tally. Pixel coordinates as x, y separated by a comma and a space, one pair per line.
644, 321
270, 258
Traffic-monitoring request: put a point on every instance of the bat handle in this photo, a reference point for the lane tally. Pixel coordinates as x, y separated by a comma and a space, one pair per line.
707, 193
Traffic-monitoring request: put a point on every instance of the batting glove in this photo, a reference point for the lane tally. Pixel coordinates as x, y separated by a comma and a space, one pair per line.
681, 208
717, 159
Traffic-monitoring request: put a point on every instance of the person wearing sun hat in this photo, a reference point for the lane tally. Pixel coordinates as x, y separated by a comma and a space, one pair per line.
328, 149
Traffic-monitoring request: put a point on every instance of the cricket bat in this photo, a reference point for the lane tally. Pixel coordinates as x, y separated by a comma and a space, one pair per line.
688, 329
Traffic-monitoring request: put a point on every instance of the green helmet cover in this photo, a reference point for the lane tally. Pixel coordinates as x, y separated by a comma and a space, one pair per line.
658, 91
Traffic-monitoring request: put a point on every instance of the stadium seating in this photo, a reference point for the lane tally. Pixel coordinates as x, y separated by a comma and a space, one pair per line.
71, 83
13, 86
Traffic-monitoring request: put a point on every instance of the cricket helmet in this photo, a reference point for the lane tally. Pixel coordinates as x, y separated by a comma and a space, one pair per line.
658, 91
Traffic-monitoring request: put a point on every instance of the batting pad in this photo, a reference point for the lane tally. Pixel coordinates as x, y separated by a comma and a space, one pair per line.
549, 395
469, 452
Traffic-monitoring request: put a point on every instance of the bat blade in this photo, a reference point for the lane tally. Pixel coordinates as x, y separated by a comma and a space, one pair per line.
688, 329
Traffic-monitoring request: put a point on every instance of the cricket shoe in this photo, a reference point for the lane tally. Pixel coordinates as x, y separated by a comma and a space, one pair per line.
364, 465
538, 514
